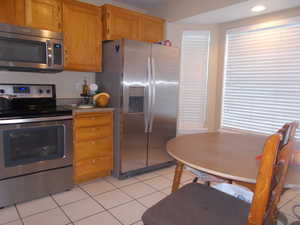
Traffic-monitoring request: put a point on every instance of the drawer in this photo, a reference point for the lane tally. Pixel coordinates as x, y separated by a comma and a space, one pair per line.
92, 133
93, 149
93, 119
92, 167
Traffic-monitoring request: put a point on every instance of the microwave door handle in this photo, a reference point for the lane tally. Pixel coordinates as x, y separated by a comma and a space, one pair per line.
49, 55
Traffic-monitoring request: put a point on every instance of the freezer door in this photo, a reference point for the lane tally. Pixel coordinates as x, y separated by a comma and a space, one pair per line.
135, 105
163, 118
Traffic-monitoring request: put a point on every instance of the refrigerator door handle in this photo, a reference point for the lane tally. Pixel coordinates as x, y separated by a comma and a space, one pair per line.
153, 93
148, 93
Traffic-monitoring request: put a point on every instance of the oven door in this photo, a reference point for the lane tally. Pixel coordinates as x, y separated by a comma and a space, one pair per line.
32, 145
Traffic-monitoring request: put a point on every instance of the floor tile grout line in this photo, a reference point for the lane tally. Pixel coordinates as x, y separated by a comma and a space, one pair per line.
117, 187
120, 189
290, 200
14, 220
61, 209
83, 218
62, 205
133, 198
137, 181
21, 219
91, 196
34, 214
103, 207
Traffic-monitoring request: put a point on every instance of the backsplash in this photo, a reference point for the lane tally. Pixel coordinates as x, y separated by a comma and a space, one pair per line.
67, 82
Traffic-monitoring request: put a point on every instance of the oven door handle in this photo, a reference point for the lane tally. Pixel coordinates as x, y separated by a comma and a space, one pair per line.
32, 120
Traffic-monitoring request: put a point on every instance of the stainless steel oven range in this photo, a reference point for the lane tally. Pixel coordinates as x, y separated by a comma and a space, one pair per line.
35, 143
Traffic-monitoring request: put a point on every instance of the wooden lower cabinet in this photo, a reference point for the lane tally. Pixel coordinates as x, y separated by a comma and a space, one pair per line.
93, 145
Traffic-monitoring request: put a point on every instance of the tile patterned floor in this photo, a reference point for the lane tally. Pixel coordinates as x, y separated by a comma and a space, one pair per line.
108, 201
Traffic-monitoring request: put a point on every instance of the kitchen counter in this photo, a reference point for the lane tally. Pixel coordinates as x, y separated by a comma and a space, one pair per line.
75, 109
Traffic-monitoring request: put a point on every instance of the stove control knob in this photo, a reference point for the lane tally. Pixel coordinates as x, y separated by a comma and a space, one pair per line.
2, 91
41, 91
48, 91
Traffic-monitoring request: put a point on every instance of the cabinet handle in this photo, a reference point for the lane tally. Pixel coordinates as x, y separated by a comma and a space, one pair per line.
93, 118
92, 142
93, 161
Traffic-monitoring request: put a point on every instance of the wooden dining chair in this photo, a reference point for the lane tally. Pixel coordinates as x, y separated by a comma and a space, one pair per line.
198, 204
288, 131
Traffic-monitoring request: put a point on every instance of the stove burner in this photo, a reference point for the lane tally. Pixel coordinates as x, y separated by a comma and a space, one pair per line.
39, 100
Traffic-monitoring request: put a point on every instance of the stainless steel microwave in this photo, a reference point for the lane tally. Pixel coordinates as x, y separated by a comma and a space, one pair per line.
27, 49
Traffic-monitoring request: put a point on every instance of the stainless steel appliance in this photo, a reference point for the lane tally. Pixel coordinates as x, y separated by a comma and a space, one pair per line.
26, 49
142, 79
35, 143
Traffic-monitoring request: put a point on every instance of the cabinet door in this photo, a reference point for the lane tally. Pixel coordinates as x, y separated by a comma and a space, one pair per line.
44, 14
121, 23
12, 12
82, 36
151, 29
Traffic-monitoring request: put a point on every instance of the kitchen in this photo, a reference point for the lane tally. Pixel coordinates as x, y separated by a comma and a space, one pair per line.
126, 139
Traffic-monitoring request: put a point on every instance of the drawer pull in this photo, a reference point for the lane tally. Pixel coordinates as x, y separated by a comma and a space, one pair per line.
93, 118
92, 142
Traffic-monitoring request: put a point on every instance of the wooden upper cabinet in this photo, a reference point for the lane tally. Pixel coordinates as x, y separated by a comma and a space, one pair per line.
123, 23
151, 28
82, 36
44, 14
120, 23
12, 12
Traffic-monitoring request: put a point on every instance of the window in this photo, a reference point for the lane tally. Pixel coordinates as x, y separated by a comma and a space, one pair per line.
262, 77
193, 81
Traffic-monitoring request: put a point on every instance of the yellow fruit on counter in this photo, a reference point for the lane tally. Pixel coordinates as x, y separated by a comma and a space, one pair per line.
102, 99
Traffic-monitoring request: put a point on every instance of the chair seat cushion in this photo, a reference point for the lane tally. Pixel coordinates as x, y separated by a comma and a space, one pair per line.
197, 204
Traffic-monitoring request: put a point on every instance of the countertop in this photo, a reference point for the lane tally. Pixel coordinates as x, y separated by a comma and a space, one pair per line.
75, 109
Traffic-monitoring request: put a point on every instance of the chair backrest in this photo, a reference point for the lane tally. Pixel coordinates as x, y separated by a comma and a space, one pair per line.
288, 131
271, 176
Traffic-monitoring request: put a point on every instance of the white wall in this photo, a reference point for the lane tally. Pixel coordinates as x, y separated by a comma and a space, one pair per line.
67, 82
174, 33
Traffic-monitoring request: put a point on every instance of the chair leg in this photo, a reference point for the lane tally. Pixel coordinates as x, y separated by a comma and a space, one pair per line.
177, 176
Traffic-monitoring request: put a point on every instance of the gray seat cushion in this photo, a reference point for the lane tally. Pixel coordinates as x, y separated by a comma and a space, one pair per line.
197, 204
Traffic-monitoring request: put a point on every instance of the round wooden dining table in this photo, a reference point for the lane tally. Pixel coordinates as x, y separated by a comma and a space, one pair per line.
231, 156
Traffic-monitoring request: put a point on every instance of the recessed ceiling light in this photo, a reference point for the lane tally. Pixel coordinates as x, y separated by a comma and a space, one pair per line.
258, 8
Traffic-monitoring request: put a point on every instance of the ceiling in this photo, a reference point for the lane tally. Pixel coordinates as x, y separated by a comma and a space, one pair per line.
240, 11
206, 11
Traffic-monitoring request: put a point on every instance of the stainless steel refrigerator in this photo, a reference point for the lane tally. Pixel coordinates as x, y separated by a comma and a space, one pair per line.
143, 80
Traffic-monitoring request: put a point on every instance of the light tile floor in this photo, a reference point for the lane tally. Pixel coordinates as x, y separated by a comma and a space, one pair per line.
109, 201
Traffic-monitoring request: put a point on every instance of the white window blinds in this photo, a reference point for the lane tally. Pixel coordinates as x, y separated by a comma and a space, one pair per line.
262, 78
193, 81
